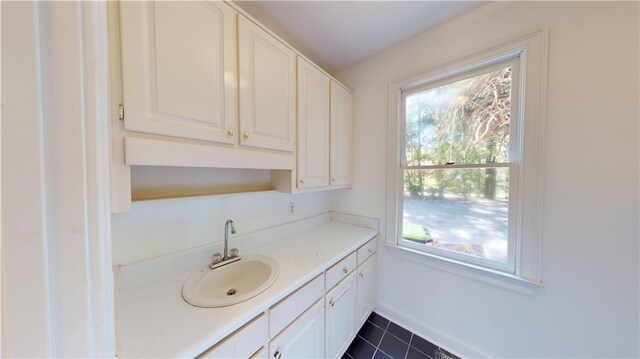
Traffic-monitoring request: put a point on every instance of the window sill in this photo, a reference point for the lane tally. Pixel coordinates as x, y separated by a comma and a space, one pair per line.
486, 275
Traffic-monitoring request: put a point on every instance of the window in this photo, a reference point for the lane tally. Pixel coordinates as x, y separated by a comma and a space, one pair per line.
464, 164
459, 166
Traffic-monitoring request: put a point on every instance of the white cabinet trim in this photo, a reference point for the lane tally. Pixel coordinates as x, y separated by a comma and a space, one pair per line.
148, 152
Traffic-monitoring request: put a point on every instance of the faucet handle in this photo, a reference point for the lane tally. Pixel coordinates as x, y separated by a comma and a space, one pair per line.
216, 258
233, 252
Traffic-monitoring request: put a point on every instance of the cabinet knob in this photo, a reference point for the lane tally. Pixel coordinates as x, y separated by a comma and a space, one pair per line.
370, 251
333, 179
245, 134
332, 303
277, 355
301, 181
361, 275
230, 132
345, 269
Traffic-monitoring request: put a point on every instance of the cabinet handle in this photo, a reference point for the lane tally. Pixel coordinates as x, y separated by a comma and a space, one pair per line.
230, 132
332, 303
361, 275
277, 355
333, 179
370, 251
345, 270
301, 181
245, 134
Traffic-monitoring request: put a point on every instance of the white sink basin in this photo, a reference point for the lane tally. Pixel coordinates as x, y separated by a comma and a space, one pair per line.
230, 284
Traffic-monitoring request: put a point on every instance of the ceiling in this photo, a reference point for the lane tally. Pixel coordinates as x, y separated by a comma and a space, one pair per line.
339, 34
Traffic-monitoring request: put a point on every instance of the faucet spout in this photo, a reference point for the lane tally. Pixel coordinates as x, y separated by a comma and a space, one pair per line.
228, 224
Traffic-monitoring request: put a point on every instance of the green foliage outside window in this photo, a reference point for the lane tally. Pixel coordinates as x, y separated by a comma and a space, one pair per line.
465, 122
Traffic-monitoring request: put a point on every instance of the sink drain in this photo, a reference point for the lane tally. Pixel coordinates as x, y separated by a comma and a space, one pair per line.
231, 292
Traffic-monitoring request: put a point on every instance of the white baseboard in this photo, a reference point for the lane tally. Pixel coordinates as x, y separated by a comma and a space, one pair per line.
438, 337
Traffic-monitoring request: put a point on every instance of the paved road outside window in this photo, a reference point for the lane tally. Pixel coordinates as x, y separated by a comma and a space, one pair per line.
456, 221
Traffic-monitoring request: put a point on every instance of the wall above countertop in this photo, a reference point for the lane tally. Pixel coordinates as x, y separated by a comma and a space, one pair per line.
161, 227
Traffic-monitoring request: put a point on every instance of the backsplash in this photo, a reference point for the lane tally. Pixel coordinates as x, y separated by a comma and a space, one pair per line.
161, 227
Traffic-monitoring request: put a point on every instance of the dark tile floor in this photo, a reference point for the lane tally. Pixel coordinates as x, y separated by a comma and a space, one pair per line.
380, 338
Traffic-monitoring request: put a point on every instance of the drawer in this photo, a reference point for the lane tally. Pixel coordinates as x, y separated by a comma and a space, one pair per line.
288, 309
367, 250
304, 338
243, 343
340, 270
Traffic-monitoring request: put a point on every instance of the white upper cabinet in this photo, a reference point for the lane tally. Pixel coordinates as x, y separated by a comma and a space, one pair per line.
313, 126
179, 69
267, 70
341, 136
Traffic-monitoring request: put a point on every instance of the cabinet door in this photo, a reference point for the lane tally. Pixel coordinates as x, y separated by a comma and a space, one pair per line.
366, 288
179, 69
341, 135
267, 89
341, 316
313, 126
304, 338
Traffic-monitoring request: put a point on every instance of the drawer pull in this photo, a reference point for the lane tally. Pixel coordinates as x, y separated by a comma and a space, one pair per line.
345, 270
277, 355
332, 303
370, 251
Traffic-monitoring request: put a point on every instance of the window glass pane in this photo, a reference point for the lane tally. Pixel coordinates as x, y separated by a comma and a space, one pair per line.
461, 210
462, 122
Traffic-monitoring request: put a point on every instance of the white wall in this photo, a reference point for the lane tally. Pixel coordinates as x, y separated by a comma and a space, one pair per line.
156, 228
24, 241
589, 304
57, 288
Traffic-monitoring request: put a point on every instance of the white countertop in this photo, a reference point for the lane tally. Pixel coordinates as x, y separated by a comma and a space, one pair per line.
154, 320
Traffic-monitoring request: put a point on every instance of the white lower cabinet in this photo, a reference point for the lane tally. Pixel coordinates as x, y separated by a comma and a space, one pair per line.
304, 338
366, 289
341, 316
306, 325
287, 310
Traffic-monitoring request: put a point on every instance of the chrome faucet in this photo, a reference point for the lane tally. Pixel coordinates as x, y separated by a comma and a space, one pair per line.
227, 256
227, 224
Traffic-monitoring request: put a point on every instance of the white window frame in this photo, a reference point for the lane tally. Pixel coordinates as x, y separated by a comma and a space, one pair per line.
525, 157
511, 60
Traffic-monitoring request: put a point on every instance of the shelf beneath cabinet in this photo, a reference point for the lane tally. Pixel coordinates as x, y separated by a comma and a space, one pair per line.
196, 196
